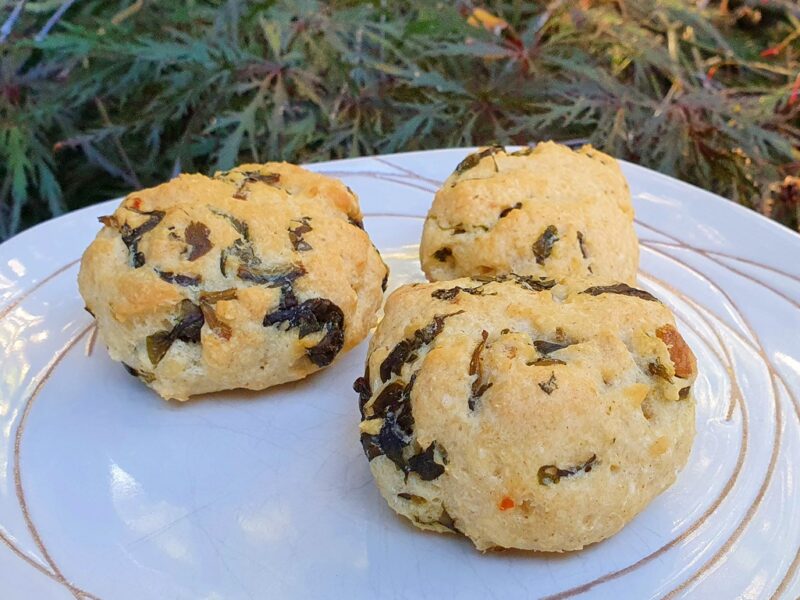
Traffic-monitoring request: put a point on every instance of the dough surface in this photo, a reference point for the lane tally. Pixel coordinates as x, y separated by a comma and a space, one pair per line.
255, 277
547, 211
526, 414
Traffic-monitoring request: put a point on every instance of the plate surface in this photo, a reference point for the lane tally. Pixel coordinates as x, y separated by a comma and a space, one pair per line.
106, 491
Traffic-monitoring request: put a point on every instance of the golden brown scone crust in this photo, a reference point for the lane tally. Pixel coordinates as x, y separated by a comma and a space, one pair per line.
547, 211
255, 277
522, 416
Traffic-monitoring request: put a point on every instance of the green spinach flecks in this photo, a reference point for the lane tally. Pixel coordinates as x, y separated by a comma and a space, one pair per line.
505, 211
461, 228
551, 474
545, 362
109, 221
620, 288
397, 430
399, 355
131, 236
526, 151
273, 276
371, 446
214, 297
355, 222
312, 316
240, 226
196, 236
394, 440
545, 347
268, 178
453, 292
242, 250
178, 279
250, 267
296, 235
478, 387
442, 254
549, 386
424, 464
207, 302
657, 369
473, 159
145, 376
528, 282
389, 399
412, 498
241, 192
395, 434
186, 329
582, 245
543, 247
534, 284
363, 389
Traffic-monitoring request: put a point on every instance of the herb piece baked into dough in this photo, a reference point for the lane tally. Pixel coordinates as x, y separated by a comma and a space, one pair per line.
547, 211
257, 276
525, 414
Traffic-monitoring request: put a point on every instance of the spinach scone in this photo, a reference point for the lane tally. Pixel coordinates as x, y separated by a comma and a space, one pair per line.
526, 414
546, 211
254, 277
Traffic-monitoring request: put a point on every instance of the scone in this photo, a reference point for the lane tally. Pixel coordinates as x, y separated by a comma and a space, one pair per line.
525, 414
547, 211
255, 277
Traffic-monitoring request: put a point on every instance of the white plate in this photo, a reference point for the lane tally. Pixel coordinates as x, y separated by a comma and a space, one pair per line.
106, 491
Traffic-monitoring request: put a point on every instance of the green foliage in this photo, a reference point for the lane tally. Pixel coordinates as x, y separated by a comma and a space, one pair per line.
107, 96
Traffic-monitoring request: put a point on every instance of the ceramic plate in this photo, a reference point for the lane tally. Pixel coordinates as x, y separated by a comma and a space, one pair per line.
107, 491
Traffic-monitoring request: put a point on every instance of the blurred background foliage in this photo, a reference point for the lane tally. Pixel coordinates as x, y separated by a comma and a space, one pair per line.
99, 97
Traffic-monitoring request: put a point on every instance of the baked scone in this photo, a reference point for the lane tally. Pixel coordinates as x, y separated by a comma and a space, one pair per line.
255, 277
546, 211
525, 414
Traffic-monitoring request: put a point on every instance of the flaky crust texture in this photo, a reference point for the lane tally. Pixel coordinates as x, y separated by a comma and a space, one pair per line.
522, 414
547, 211
255, 277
